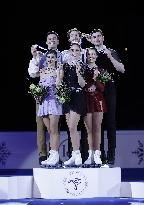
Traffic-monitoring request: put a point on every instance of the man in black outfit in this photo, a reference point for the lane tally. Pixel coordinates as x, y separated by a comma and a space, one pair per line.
108, 60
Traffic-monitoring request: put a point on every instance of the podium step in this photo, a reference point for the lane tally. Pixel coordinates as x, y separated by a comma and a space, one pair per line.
70, 184
132, 189
16, 187
75, 183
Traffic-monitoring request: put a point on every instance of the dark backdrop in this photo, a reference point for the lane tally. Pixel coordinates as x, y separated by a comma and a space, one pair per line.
18, 108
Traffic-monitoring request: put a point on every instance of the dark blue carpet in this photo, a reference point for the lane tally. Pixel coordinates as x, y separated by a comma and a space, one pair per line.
93, 201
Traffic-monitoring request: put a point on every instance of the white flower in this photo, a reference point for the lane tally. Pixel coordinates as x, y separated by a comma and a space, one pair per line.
38, 89
32, 87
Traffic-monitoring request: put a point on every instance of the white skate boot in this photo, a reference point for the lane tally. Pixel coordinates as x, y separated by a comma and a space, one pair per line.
53, 158
90, 159
97, 158
75, 159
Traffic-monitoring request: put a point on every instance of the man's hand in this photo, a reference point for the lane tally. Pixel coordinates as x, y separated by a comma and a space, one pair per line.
34, 51
108, 53
87, 36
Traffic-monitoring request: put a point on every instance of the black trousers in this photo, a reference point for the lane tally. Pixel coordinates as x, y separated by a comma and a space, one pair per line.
109, 121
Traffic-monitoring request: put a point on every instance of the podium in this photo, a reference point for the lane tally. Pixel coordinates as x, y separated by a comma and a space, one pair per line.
16, 187
74, 183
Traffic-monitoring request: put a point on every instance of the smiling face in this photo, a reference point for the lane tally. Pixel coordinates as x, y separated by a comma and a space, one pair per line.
52, 41
97, 38
91, 55
75, 51
74, 36
51, 59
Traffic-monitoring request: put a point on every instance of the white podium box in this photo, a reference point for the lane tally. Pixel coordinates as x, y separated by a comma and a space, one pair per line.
16, 187
137, 189
78, 182
132, 189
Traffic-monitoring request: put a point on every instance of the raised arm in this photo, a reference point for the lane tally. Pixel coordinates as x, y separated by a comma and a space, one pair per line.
33, 68
60, 74
112, 55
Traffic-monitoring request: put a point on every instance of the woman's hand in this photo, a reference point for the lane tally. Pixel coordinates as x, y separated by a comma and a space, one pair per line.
92, 88
78, 67
60, 73
96, 73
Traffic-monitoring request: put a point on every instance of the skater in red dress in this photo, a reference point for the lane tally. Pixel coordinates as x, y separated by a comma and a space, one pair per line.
95, 108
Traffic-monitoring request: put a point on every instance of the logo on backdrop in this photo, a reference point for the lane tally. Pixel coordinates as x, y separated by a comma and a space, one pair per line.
75, 183
4, 153
139, 152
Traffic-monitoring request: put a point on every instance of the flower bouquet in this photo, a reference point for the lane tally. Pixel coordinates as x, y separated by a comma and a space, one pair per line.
63, 93
104, 76
38, 92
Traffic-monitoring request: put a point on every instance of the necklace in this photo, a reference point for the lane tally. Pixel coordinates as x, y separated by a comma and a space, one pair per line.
51, 69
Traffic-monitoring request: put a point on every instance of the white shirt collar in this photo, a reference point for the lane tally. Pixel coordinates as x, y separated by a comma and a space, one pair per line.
102, 48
